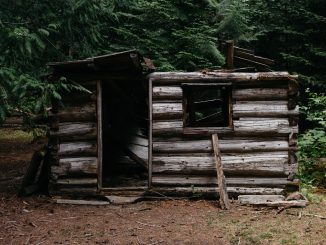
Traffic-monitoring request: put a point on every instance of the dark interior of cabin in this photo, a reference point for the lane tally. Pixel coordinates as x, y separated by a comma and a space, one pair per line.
125, 133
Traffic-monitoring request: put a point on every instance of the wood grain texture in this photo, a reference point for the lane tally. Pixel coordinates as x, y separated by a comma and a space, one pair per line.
78, 148
167, 111
80, 166
167, 93
188, 180
260, 94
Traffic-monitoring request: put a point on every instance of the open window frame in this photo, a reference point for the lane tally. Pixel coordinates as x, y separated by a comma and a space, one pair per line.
207, 107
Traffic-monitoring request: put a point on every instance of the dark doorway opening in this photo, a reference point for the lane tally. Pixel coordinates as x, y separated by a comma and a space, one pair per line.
125, 133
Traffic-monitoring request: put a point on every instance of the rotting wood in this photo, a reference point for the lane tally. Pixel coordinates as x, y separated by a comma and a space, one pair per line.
80, 166
31, 173
257, 199
113, 199
260, 94
211, 191
269, 201
167, 93
224, 199
87, 148
77, 181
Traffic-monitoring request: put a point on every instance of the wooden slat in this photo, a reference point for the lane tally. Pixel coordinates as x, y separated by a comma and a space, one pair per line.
253, 57
99, 115
239, 61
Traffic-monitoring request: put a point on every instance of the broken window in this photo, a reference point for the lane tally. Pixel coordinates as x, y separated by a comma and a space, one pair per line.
207, 105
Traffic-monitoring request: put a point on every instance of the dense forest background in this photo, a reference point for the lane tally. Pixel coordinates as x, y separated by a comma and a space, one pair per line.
176, 35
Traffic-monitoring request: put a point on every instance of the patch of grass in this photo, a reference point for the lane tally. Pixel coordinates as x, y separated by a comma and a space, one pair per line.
15, 135
266, 235
309, 192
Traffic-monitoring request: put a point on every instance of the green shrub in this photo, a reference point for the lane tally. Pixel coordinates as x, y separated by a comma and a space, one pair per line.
312, 144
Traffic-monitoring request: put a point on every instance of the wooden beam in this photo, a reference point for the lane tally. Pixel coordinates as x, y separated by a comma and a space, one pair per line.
229, 54
224, 199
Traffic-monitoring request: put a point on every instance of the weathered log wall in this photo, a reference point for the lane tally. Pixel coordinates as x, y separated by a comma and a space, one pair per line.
73, 143
257, 150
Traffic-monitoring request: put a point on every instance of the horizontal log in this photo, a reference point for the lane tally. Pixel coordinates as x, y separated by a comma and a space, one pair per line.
77, 98
263, 109
243, 50
75, 167
206, 131
167, 93
257, 127
260, 94
262, 164
167, 111
75, 132
57, 190
202, 146
256, 199
213, 191
188, 180
167, 127
77, 181
239, 77
77, 148
81, 113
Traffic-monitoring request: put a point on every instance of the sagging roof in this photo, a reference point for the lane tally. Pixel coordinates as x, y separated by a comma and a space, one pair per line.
130, 61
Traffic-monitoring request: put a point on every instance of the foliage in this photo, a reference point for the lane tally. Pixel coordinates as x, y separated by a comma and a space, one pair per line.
312, 144
292, 33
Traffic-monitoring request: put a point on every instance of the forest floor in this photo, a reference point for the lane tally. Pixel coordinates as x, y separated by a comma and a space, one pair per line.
38, 220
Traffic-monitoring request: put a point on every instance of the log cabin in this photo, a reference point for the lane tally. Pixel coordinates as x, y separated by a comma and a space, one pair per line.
149, 133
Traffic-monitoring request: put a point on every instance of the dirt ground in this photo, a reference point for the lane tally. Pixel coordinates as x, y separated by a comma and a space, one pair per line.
38, 220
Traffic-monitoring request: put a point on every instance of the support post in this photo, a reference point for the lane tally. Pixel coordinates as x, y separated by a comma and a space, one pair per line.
230, 54
224, 199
